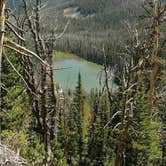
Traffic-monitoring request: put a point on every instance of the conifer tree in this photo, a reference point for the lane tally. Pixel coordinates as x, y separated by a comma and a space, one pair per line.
100, 141
143, 145
82, 108
14, 114
79, 117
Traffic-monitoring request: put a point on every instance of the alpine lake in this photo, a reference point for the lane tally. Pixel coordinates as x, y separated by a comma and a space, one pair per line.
67, 67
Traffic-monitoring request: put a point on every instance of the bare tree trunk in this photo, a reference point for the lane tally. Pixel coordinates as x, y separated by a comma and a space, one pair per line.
127, 112
121, 142
52, 90
2, 31
155, 28
2, 26
46, 102
130, 86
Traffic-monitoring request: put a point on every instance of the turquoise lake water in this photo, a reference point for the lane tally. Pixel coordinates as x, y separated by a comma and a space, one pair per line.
67, 76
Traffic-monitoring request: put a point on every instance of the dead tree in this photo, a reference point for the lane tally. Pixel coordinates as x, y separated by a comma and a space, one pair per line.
157, 14
126, 109
2, 31
144, 57
131, 83
9, 42
155, 33
2, 27
15, 46
43, 90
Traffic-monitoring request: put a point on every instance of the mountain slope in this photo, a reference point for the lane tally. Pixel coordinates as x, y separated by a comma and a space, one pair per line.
101, 8
93, 23
96, 23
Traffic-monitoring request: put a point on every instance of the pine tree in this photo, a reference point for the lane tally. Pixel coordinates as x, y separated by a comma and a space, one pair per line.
14, 114
143, 145
81, 106
78, 122
100, 141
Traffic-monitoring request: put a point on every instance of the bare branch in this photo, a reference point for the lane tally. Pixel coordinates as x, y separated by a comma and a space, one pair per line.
64, 30
14, 32
22, 50
14, 26
15, 70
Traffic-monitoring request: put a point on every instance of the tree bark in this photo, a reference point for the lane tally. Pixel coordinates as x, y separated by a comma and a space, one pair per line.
2, 27
2, 31
154, 72
121, 142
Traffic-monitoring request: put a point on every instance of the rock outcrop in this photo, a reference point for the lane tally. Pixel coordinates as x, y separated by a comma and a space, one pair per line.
10, 158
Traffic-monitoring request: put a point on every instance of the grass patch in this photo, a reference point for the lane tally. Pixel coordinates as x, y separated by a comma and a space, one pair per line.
62, 55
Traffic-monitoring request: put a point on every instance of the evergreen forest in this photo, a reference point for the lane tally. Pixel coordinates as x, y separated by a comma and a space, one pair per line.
44, 124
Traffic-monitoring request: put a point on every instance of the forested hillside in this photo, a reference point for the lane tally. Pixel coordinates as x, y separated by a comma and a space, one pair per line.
48, 125
98, 25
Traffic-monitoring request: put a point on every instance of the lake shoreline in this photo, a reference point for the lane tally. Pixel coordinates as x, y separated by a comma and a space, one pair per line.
69, 66
59, 55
